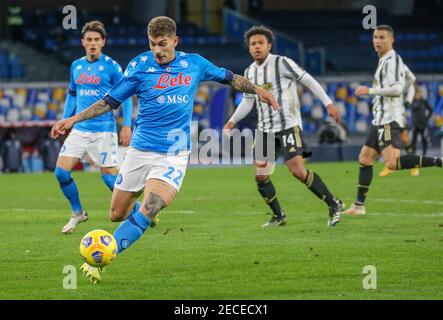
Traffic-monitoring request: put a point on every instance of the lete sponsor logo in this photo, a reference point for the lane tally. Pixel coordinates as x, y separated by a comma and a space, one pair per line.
85, 79
165, 81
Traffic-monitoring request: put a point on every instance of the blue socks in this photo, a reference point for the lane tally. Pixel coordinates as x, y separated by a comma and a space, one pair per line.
130, 230
69, 189
135, 209
109, 180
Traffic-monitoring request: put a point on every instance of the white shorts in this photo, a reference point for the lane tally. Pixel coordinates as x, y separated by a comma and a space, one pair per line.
139, 166
100, 146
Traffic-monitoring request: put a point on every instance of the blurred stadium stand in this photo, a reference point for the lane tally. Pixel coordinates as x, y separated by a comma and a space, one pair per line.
348, 47
25, 104
328, 43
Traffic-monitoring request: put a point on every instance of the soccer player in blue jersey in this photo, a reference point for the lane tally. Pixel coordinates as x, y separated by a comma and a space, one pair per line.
90, 78
165, 81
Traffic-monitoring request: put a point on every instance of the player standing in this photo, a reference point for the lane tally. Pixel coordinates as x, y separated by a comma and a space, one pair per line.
165, 81
279, 75
384, 134
90, 78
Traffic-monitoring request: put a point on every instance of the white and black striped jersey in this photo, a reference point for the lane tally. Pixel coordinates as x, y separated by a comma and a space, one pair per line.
390, 71
278, 74
408, 89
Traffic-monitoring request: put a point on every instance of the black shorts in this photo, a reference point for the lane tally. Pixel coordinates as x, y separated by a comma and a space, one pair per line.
380, 137
289, 142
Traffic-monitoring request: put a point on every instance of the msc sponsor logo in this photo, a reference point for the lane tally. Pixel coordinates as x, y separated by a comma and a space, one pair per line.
176, 98
89, 92
161, 99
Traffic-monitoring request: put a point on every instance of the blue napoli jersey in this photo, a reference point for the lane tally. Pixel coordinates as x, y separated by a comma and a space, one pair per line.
89, 82
166, 98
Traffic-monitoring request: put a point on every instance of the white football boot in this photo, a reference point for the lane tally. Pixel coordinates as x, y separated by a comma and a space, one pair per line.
355, 210
74, 221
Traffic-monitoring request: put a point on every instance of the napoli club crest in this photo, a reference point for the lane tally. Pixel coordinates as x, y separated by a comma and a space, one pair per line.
161, 99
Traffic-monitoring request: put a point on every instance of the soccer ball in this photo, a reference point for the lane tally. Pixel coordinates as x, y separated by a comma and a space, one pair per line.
98, 248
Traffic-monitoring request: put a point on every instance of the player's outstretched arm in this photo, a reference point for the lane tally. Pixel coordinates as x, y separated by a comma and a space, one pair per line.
308, 81
392, 91
244, 85
97, 109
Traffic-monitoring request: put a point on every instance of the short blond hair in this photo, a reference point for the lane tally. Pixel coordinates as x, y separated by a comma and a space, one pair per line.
162, 26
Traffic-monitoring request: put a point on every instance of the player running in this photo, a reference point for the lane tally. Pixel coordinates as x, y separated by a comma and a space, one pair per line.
90, 78
165, 81
407, 98
384, 134
279, 75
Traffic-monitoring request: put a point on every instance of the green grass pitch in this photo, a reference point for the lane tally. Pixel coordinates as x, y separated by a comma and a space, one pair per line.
209, 243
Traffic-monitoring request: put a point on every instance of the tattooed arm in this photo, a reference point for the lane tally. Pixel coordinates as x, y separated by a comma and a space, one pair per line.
244, 85
97, 109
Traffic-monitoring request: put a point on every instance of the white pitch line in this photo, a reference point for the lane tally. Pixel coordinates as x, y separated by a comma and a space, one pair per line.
52, 209
430, 202
181, 211
402, 214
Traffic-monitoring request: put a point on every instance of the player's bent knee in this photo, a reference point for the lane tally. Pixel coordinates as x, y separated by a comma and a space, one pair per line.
63, 176
116, 215
364, 160
299, 173
261, 178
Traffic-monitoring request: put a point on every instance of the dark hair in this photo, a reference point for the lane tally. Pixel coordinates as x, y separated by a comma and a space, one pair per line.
259, 30
385, 27
96, 26
162, 26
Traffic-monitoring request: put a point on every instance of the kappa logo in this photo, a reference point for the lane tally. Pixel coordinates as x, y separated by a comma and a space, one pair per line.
151, 69
144, 58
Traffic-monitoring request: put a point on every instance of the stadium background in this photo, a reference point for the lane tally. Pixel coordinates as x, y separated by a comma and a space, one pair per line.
209, 244
324, 37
